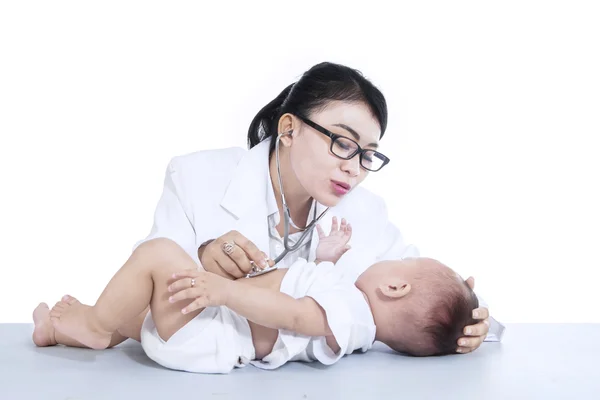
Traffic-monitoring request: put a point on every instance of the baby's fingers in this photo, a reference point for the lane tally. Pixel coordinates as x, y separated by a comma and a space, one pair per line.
343, 225
320, 231
334, 225
348, 232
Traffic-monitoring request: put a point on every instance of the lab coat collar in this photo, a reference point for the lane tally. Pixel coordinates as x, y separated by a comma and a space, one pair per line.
247, 190
250, 188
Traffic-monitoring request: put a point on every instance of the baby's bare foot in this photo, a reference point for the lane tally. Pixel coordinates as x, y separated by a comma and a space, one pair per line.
76, 320
43, 333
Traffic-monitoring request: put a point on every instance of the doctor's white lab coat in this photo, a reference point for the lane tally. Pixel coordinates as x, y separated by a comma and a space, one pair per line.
209, 193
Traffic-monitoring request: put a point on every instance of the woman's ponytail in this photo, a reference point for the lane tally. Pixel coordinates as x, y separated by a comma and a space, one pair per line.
264, 124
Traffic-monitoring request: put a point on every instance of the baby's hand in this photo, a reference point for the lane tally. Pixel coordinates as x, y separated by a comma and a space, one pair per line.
207, 289
332, 247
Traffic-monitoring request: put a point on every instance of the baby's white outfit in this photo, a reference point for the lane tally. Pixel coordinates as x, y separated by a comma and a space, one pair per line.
218, 340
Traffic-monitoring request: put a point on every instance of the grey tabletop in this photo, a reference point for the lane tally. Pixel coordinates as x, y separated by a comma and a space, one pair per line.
533, 362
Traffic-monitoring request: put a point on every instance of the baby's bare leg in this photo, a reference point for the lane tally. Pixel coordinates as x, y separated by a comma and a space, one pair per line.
143, 280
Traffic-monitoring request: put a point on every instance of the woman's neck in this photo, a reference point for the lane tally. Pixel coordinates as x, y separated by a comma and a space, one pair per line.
298, 200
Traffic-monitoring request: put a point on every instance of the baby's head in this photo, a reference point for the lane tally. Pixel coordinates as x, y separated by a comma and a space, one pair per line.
420, 306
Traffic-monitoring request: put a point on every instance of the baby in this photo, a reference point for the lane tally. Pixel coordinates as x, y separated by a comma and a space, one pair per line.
309, 312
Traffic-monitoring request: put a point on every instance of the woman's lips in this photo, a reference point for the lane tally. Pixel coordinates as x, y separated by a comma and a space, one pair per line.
340, 188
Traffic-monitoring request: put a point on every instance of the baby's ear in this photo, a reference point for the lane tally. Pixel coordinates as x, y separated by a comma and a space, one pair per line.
395, 290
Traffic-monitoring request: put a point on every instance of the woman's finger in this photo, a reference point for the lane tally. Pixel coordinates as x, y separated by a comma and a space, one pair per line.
481, 313
180, 284
240, 259
479, 329
464, 350
470, 282
197, 304
227, 264
209, 260
184, 294
252, 252
471, 342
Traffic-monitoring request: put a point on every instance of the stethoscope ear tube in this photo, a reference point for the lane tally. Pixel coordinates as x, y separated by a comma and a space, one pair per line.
287, 220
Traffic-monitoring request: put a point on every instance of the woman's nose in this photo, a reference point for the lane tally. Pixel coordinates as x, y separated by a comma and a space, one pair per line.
351, 166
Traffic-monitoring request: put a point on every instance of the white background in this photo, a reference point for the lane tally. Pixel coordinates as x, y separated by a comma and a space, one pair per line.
493, 132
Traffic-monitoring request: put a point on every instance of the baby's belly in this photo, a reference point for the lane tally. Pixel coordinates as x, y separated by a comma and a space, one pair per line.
264, 338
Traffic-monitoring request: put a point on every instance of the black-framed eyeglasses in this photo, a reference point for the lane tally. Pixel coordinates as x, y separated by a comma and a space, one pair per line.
346, 148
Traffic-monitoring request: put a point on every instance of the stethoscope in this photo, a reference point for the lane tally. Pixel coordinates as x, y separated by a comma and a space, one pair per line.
287, 220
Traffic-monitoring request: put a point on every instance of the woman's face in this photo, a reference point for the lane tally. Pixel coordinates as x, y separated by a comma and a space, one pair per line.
324, 176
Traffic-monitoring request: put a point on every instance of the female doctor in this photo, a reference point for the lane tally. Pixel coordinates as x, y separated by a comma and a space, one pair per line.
310, 149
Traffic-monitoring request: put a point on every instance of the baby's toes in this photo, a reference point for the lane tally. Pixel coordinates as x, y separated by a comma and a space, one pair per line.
69, 300
55, 313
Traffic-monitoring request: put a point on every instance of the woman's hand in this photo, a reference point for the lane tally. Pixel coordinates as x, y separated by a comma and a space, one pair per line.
474, 334
207, 289
231, 256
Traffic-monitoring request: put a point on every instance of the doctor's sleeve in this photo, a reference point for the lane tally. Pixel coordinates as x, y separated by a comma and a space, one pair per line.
171, 220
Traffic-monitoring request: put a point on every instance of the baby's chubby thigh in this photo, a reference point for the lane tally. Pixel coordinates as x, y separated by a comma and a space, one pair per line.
167, 317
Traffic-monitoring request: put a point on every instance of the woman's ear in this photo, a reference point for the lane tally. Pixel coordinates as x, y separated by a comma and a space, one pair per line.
286, 126
395, 290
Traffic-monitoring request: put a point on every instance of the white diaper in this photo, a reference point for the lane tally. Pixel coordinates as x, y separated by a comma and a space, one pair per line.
216, 341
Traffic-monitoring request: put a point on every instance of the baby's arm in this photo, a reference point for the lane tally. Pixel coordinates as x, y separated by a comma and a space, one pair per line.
277, 310
264, 306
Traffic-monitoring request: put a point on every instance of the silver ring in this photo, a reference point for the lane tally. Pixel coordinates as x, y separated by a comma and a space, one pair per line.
228, 248
193, 282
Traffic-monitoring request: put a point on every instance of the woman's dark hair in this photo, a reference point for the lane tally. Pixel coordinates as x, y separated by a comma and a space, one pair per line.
317, 87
